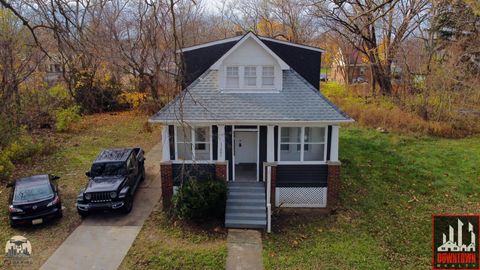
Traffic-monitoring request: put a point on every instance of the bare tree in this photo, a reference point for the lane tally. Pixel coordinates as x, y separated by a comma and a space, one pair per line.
19, 58
380, 26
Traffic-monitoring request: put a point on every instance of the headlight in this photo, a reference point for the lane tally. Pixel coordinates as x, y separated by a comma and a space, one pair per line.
12, 209
88, 196
113, 194
54, 202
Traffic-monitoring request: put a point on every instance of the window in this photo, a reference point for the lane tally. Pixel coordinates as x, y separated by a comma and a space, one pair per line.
250, 76
193, 143
290, 143
233, 79
202, 143
268, 76
302, 144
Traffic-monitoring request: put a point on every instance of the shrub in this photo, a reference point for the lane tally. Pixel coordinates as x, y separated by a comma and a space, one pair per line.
200, 200
6, 166
64, 118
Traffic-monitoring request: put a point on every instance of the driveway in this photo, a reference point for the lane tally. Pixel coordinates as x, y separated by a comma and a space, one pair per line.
102, 241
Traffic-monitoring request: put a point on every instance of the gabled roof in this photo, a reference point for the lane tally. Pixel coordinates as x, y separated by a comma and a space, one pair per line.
237, 38
203, 102
250, 35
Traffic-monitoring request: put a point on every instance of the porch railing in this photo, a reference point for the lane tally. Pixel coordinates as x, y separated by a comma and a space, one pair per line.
268, 191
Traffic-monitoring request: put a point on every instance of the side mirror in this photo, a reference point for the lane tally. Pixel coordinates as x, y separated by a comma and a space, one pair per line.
88, 174
130, 170
54, 177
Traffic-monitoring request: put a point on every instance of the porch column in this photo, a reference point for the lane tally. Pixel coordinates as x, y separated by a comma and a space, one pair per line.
270, 144
334, 145
221, 143
165, 144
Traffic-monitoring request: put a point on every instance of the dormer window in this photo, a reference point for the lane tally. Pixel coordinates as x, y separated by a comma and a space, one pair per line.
250, 76
233, 78
268, 76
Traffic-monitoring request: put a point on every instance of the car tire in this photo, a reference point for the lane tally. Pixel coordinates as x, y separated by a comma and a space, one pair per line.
128, 206
82, 214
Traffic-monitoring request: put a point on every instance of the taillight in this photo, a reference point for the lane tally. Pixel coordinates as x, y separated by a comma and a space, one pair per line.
55, 201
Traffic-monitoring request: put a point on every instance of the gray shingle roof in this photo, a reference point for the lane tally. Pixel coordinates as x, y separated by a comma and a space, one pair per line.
203, 101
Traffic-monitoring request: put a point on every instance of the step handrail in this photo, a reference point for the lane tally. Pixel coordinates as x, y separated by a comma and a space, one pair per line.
268, 192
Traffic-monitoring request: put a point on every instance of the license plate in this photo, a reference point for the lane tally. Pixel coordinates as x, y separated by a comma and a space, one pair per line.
37, 221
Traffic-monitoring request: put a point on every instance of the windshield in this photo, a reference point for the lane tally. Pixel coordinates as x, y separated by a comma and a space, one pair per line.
108, 169
32, 192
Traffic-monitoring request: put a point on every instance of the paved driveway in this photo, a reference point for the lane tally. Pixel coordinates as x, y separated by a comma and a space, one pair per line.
103, 240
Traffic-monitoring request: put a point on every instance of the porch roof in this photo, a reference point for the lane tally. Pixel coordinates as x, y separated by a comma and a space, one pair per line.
202, 101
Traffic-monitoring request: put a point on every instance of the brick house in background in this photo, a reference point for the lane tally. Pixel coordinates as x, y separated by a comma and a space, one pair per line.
252, 114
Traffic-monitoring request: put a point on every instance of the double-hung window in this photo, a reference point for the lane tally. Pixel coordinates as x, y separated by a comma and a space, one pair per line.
268, 76
302, 144
250, 76
193, 143
233, 77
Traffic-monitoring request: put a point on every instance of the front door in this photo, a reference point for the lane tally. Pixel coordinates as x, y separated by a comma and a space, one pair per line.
245, 155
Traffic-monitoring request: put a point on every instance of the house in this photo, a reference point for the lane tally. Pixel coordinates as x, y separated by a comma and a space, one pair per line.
349, 67
252, 114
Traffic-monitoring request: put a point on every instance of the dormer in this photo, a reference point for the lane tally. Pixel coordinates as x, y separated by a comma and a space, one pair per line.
248, 61
250, 66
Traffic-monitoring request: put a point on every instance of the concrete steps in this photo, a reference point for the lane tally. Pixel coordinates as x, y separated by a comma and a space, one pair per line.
246, 206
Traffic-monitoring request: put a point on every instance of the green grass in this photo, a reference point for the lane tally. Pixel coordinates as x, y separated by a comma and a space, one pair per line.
70, 159
391, 185
164, 244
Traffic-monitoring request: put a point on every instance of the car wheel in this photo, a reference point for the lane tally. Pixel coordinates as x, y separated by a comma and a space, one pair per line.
82, 214
127, 207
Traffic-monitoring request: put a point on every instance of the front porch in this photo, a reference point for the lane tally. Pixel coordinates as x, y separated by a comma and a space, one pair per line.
265, 166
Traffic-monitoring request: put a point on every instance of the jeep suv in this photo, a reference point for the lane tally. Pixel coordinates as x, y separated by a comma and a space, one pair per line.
113, 180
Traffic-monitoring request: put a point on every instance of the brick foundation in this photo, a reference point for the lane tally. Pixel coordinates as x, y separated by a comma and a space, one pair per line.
333, 183
166, 174
221, 170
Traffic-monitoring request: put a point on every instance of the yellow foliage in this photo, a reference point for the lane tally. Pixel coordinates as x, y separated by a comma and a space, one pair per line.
133, 98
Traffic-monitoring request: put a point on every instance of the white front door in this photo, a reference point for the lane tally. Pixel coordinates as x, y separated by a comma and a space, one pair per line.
245, 153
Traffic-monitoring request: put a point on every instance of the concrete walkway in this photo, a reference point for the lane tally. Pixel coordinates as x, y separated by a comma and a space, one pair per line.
244, 250
102, 240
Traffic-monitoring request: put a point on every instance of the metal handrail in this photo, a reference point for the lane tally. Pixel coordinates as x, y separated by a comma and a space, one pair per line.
269, 206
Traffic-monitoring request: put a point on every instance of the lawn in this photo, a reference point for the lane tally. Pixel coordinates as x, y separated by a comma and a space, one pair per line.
166, 244
391, 185
70, 159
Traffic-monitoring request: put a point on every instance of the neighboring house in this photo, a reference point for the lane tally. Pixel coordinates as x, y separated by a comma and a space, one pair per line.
52, 69
252, 115
349, 67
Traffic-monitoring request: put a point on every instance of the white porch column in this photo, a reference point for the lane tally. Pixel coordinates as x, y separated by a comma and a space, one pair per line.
165, 144
270, 144
334, 145
221, 143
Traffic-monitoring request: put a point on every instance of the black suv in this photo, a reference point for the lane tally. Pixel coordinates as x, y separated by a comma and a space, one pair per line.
113, 180
34, 200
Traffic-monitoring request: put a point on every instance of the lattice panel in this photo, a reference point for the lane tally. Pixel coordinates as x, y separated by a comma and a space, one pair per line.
301, 197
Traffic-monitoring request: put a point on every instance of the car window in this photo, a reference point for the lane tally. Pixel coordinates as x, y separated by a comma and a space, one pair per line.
108, 169
32, 192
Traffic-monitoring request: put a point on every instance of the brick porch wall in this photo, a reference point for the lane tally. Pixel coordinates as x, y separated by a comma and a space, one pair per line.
333, 183
166, 174
221, 170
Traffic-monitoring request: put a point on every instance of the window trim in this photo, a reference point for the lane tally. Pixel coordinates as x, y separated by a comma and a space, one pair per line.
193, 142
239, 76
302, 149
242, 85
245, 85
262, 85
